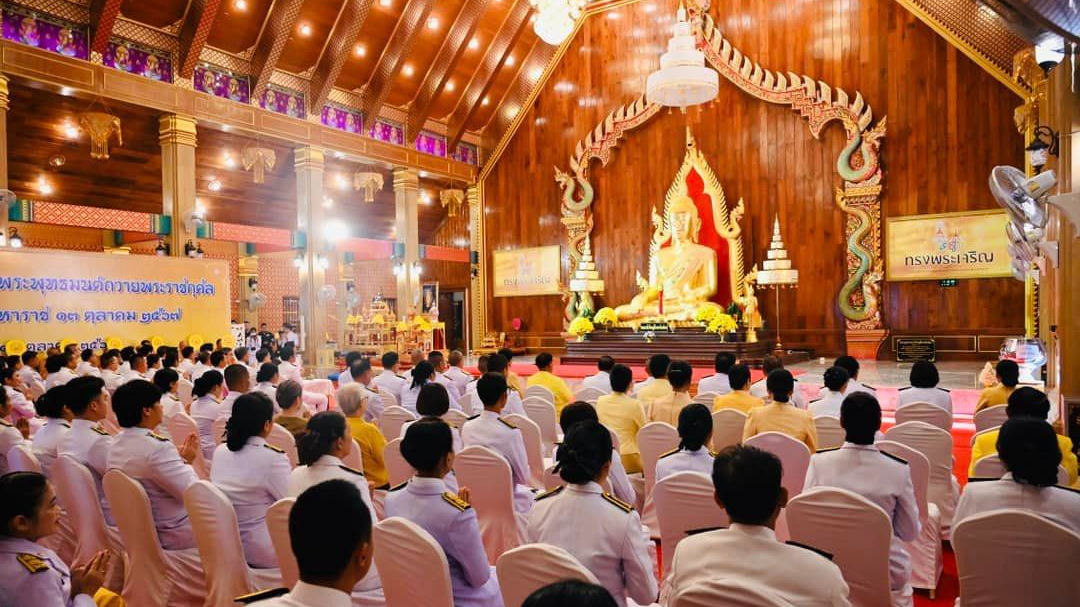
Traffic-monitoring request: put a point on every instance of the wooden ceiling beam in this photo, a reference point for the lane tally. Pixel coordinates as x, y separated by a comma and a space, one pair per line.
451, 52
103, 14
340, 46
517, 94
194, 32
268, 50
517, 21
393, 57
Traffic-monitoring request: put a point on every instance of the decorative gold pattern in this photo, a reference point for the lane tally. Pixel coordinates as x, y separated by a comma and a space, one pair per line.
259, 160
101, 127
370, 183
452, 200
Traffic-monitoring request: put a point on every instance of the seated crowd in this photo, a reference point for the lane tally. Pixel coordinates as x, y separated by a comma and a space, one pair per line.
242, 421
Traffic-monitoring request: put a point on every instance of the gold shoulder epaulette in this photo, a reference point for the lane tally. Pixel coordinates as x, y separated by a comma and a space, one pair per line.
618, 502
32, 562
811, 549
508, 424
891, 456
273, 448
455, 501
261, 595
401, 486
713, 453
353, 470
667, 453
548, 494
157, 436
100, 430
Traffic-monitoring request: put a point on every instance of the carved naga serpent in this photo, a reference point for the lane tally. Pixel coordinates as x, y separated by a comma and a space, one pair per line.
867, 149
870, 281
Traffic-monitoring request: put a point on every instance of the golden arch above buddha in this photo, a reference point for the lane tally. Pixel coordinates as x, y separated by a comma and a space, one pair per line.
695, 256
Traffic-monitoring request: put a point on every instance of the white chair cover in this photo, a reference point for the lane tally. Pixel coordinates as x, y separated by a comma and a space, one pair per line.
794, 456
706, 398
402, 546
388, 399
551, 478
182, 426
543, 413
589, 395
217, 429
522, 571
21, 458
990, 417
925, 412
854, 530
491, 488
110, 423
455, 418
465, 401
654, 439
927, 561
398, 470
937, 445
728, 593
534, 448
157, 577
75, 485
685, 502
990, 466
217, 538
354, 460
1015, 557
284, 440
277, 521
539, 392
183, 392
727, 428
830, 434
393, 418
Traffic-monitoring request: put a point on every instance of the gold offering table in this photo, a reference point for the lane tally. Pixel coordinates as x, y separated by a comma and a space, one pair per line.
692, 344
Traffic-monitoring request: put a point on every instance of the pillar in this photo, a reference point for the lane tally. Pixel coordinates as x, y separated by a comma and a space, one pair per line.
477, 322
3, 152
309, 165
406, 199
177, 135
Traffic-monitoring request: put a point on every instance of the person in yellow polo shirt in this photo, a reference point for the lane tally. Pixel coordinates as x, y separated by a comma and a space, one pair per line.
623, 415
779, 415
1024, 402
659, 385
739, 398
1008, 375
545, 378
353, 400
667, 408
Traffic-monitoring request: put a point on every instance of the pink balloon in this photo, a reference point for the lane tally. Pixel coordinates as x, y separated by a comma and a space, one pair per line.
516, 323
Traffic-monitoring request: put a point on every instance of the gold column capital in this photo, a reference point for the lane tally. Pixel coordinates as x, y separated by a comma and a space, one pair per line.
177, 129
308, 157
406, 179
4, 92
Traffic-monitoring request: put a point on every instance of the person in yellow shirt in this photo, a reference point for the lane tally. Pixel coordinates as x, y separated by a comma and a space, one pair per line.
1008, 375
1024, 402
353, 401
739, 398
658, 385
623, 415
779, 416
512, 379
667, 408
545, 378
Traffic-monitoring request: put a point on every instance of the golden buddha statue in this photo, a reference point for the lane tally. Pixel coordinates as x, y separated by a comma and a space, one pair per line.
683, 274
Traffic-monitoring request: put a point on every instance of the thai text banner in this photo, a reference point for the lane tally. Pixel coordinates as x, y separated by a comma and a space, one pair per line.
953, 245
532, 271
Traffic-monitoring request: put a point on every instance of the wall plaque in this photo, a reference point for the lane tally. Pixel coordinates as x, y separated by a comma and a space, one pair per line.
910, 349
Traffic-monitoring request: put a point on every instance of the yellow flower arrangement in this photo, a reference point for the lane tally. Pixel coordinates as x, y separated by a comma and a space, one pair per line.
422, 325
581, 327
706, 314
722, 323
157, 341
402, 326
115, 343
378, 320
605, 316
194, 340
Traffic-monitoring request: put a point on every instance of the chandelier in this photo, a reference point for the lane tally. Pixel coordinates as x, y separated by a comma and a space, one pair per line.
683, 79
555, 19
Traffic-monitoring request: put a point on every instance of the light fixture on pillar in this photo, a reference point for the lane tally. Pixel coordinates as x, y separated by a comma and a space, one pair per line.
190, 250
683, 78
195, 218
399, 266
416, 269
213, 184
322, 262
298, 261
1043, 145
14, 240
162, 249
370, 183
452, 200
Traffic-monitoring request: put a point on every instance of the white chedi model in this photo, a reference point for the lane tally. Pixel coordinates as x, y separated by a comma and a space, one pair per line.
777, 270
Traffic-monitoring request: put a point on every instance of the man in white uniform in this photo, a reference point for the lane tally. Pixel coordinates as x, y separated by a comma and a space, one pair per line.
601, 380
31, 375
852, 367
389, 380
457, 373
760, 390
718, 384
489, 430
89, 363
828, 404
61, 369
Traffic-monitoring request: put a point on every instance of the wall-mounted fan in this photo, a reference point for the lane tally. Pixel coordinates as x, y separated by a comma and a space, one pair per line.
1025, 200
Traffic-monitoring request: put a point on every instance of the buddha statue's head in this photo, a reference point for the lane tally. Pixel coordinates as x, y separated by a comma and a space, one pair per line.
683, 220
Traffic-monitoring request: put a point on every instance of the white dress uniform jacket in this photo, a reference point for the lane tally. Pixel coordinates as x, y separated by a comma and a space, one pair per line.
33, 381
460, 379
601, 532
491, 431
391, 382
1058, 504
31, 574
761, 391
684, 460
409, 394
453, 524
9, 437
288, 370
88, 444
21, 407
85, 368
513, 401
828, 405
309, 595
197, 371
885, 480
154, 461
374, 403
751, 555
61, 377
718, 384
205, 410
935, 396
254, 478
47, 442
112, 379
185, 367
856, 386
368, 591
601, 381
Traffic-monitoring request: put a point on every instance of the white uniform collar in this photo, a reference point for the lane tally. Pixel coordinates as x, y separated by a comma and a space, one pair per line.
137, 430
486, 414
702, 450
589, 487
256, 441
848, 445
760, 532
78, 423
423, 485
329, 460
310, 594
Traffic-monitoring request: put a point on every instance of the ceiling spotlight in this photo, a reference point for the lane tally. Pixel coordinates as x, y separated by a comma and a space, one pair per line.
386, 2
44, 186
341, 182
510, 61
425, 197
360, 50
70, 130
229, 160
450, 85
408, 69
474, 44
213, 184
433, 23
240, 5
57, 160
327, 202
484, 101
305, 29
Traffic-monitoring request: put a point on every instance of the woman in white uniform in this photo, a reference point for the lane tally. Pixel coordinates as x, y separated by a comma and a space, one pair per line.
695, 434
209, 390
166, 380
924, 388
46, 442
252, 473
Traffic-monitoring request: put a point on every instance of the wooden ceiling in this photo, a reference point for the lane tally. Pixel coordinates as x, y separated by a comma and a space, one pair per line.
452, 61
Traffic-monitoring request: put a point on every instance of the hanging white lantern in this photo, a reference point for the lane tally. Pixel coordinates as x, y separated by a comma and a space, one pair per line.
555, 19
683, 78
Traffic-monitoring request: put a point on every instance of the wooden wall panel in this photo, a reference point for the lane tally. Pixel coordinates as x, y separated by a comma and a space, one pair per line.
949, 123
